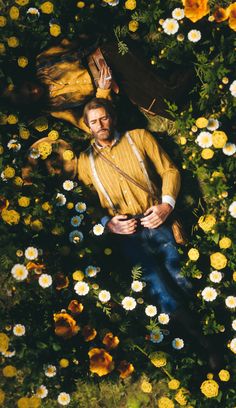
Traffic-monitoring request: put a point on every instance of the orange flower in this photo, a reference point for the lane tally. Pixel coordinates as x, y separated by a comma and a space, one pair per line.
100, 362
89, 333
195, 9
65, 325
35, 266
232, 16
4, 203
75, 307
125, 369
62, 281
110, 341
221, 14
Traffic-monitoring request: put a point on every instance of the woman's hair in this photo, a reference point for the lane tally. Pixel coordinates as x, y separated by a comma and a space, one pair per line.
97, 103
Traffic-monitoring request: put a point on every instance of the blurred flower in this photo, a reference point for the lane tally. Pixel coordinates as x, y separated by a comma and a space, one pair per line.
14, 145
24, 202
34, 153
76, 221
60, 199
12, 42
100, 362
130, 4
81, 288
14, 13
209, 294
180, 396
89, 333
232, 88
220, 14
156, 337
210, 388
80, 207
158, 358
9, 172
229, 149
165, 402
125, 369
68, 155
11, 217
110, 341
45, 280
104, 296
22, 61
234, 324
2, 397
61, 281
201, 122
137, 286
98, 229
64, 363
173, 384
215, 276
204, 139
225, 243
112, 2
232, 345
146, 386
3, 21
63, 398
178, 13
41, 392
19, 272
206, 222
151, 310
4, 342
219, 139
193, 254
68, 185
76, 236
19, 330
232, 15
55, 29
33, 11
230, 302
224, 375
47, 7
50, 371
163, 318
207, 154
170, 26
194, 35
75, 307
78, 275
129, 303
213, 124
177, 343
195, 9
91, 271
65, 325
80, 4
31, 253
45, 149
218, 260
133, 26
9, 371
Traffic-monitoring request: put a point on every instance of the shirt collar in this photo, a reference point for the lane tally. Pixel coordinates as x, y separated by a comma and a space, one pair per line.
116, 140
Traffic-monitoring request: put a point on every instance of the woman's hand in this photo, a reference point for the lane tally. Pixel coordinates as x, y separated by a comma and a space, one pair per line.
105, 78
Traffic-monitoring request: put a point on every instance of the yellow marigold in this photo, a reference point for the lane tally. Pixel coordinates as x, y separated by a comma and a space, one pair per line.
146, 386
193, 254
180, 397
2, 397
12, 119
68, 155
80, 4
206, 222
69, 206
41, 124
221, 14
64, 363
24, 133
224, 375
36, 225
9, 172
195, 9
9, 371
201, 122
232, 16
12, 42
44, 149
210, 388
4, 342
78, 275
23, 402
47, 7
3, 21
130, 4
34, 402
2, 48
14, 13
165, 402
158, 359
219, 139
182, 140
173, 384
225, 243
218, 260
22, 62
133, 26
207, 154
125, 369
53, 135
22, 2
46, 206
11, 217
24, 201
100, 362
55, 30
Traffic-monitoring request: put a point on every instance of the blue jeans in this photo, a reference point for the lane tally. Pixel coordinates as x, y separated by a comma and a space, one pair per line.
155, 250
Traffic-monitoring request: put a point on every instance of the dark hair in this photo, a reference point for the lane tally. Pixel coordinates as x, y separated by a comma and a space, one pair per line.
97, 103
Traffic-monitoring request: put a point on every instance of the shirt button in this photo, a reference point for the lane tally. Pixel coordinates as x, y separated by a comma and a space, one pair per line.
125, 191
112, 157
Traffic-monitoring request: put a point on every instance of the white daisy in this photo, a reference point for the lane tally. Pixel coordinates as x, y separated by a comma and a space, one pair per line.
209, 294
34, 153
45, 280
137, 286
68, 185
156, 337
19, 272
19, 330
178, 13
81, 288
63, 398
9, 354
232, 209
91, 271
14, 145
170, 26
76, 237
151, 310
129, 303
232, 88
213, 124
41, 392
215, 276
232, 345
230, 302
163, 318
98, 229
60, 199
76, 221
80, 207
50, 371
229, 149
104, 296
33, 11
234, 324
194, 36
177, 343
204, 139
31, 253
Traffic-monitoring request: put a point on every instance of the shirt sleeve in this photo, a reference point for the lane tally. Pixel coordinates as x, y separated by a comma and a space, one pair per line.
164, 166
103, 93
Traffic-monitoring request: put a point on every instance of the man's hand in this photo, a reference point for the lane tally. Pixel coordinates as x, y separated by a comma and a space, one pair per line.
156, 215
105, 78
120, 225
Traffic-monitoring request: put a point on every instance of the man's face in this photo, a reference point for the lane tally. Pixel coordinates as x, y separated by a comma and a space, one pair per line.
100, 124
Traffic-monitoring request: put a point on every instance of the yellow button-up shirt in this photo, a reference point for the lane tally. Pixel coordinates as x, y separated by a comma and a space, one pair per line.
126, 197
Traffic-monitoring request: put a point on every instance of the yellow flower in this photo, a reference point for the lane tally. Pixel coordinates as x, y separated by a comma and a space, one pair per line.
41, 124
133, 26
53, 135
9, 172
34, 402
110, 341
158, 359
100, 362
4, 342
193, 254
2, 48
89, 333
218, 260
36, 225
9, 371
75, 307
44, 149
22, 2
165, 402
80, 4
68, 155
232, 16
206, 222
11, 217
3, 21
24, 133
224, 375
64, 362
146, 386
182, 140
24, 201
130, 4
173, 384
78, 275
70, 205
221, 14
234, 276
180, 397
47, 7
125, 369
22, 62
23, 402
225, 243
12, 42
219, 139
2, 397
65, 325
55, 30
207, 154
1, 149
14, 13
210, 388
201, 122
195, 9
12, 119
46, 206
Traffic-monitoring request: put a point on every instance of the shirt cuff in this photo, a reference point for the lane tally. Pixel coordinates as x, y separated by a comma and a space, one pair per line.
105, 220
169, 200
103, 93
